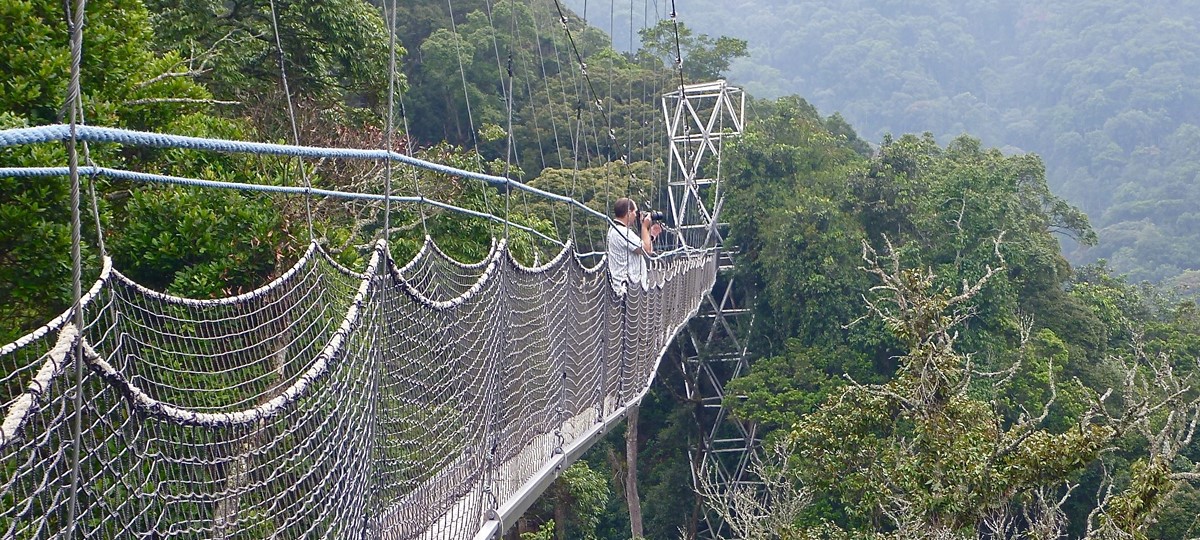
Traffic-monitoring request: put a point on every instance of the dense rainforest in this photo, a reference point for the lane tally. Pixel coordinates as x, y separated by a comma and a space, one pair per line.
1105, 91
928, 364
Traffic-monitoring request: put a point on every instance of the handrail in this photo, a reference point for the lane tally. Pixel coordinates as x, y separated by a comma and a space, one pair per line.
58, 132
121, 174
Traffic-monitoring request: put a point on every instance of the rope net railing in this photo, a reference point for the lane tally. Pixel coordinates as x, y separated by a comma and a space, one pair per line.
427, 401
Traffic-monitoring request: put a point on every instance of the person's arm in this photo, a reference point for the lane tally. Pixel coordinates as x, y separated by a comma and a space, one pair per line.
647, 243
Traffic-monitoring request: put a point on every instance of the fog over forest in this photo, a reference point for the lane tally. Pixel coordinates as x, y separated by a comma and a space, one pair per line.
1105, 91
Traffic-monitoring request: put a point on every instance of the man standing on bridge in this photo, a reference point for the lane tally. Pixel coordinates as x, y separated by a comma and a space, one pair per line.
627, 250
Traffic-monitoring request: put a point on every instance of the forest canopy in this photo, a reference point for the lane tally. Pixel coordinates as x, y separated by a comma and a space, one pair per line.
927, 360
1104, 90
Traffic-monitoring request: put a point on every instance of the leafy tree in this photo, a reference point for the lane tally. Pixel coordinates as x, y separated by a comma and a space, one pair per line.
798, 193
916, 454
704, 58
597, 188
786, 179
920, 456
575, 501
123, 86
336, 52
1098, 88
35, 243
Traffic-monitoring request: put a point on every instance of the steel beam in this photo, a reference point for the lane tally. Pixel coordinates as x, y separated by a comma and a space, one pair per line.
699, 118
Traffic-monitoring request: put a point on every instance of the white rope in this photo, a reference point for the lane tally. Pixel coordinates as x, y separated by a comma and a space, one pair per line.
57, 322
332, 403
301, 263
24, 405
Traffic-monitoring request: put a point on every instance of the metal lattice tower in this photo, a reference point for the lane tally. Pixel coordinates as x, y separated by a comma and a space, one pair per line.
699, 118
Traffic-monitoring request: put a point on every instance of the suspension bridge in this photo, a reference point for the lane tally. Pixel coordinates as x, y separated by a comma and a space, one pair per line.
430, 398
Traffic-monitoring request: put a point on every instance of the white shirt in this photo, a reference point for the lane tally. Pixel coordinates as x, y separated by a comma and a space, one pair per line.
623, 263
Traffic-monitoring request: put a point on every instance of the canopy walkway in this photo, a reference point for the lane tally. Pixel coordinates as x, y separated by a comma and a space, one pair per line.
432, 400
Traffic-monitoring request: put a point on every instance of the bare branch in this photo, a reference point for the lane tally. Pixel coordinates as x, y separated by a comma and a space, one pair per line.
171, 75
148, 101
1028, 427
764, 509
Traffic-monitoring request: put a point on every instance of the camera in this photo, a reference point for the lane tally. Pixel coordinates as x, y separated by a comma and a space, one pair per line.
655, 215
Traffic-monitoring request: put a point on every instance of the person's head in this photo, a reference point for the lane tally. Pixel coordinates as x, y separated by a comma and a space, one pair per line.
625, 211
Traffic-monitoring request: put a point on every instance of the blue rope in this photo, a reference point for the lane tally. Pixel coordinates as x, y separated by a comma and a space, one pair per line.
58, 132
42, 172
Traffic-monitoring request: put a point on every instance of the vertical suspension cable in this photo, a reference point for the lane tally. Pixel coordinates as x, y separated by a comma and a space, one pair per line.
545, 82
408, 151
87, 158
81, 119
595, 100
95, 205
562, 87
462, 72
73, 98
629, 131
657, 132
644, 97
689, 184
292, 119
612, 68
508, 145
537, 45
515, 49
575, 177
508, 153
506, 86
390, 15
573, 133
654, 130
678, 48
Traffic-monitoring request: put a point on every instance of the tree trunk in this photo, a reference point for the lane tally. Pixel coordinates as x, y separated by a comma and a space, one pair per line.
631, 459
237, 474
560, 520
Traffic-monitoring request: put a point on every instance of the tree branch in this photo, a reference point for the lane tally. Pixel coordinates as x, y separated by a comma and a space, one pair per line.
171, 75
155, 101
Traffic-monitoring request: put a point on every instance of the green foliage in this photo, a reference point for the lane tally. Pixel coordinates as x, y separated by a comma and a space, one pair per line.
705, 58
459, 75
577, 498
782, 389
803, 193
35, 276
1179, 520
336, 51
786, 183
545, 532
666, 431
33, 59
1037, 379
597, 188
198, 243
123, 87
465, 238
1124, 516
560, 119
1100, 88
916, 453
897, 431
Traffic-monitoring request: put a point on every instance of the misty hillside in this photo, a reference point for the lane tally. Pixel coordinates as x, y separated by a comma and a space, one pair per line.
1106, 91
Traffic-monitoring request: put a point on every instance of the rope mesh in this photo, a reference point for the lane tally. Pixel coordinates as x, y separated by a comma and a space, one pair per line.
398, 403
